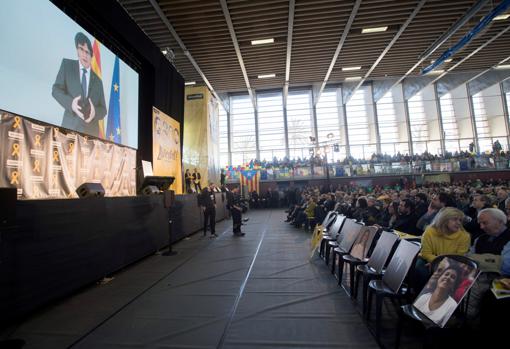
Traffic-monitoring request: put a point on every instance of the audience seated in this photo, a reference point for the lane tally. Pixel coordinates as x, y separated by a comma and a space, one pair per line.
491, 251
444, 236
452, 215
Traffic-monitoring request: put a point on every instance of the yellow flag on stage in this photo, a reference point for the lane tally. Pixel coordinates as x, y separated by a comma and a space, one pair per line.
316, 239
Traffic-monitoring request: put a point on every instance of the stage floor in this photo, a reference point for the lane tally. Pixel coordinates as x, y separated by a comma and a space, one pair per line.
257, 291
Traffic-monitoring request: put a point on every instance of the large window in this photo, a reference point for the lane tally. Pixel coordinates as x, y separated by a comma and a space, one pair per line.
388, 126
359, 125
418, 122
245, 135
271, 125
299, 123
330, 125
244, 144
450, 129
481, 123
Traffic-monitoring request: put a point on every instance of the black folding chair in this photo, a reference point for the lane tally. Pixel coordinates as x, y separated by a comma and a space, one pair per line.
390, 286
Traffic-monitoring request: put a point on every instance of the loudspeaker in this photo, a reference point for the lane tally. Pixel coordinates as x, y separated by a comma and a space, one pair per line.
150, 190
8, 197
88, 190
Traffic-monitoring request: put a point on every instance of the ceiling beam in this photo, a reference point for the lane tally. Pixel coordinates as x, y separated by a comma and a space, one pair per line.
443, 38
478, 49
290, 30
170, 27
390, 45
226, 14
346, 31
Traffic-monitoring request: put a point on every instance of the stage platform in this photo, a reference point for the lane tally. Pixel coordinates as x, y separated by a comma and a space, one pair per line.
56, 247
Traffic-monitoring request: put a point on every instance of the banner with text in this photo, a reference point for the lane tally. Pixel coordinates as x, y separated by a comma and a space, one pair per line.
46, 162
166, 148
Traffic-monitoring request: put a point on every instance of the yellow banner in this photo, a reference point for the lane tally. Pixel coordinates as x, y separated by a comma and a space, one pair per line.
166, 148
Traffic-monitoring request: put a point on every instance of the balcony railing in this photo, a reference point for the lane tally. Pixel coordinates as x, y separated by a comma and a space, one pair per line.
374, 169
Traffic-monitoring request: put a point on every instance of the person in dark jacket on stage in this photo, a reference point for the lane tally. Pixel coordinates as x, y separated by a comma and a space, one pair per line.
234, 205
207, 202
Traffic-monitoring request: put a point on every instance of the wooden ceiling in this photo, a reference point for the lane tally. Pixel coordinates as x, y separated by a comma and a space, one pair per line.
318, 26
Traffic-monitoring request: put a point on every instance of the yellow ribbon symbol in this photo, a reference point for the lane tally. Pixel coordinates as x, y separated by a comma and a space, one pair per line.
55, 155
14, 177
38, 140
55, 132
17, 122
15, 150
36, 192
37, 166
71, 147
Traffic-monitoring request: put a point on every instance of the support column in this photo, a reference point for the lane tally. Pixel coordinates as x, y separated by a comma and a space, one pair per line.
505, 113
376, 122
472, 117
442, 135
229, 137
408, 123
347, 145
286, 130
257, 145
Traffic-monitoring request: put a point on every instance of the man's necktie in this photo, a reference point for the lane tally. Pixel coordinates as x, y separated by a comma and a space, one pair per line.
84, 83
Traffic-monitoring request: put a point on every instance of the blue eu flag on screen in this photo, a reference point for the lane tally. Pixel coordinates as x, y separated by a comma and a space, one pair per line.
113, 126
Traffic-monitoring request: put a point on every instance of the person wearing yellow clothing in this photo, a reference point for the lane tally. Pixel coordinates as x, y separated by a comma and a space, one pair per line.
444, 236
310, 212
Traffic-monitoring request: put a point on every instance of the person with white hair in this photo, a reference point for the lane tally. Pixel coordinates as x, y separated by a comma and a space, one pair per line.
494, 224
492, 251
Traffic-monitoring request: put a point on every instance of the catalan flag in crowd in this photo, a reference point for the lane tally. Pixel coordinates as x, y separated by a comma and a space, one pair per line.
96, 68
113, 127
251, 179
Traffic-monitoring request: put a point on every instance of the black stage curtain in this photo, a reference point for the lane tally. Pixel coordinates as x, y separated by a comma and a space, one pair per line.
56, 247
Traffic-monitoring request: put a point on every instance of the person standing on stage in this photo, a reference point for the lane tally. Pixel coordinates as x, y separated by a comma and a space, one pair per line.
207, 202
234, 205
196, 180
222, 178
188, 178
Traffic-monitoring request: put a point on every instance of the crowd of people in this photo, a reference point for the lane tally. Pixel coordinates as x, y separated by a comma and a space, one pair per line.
317, 160
462, 218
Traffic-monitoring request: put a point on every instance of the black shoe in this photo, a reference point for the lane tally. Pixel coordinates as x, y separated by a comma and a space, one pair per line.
246, 219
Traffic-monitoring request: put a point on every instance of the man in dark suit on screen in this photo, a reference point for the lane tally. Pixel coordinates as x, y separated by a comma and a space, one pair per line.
80, 91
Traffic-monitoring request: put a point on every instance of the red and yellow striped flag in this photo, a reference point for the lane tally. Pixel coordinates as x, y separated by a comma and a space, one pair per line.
96, 68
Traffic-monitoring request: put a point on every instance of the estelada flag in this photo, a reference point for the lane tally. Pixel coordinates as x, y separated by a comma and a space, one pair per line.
250, 179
